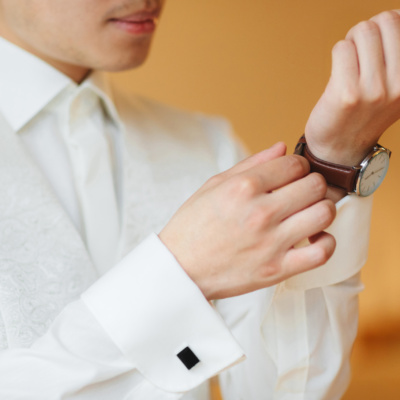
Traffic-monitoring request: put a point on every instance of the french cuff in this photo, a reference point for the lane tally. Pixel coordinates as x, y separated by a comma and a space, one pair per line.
351, 231
160, 320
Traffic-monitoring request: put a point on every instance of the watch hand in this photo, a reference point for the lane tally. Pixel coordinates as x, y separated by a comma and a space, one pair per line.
374, 172
368, 175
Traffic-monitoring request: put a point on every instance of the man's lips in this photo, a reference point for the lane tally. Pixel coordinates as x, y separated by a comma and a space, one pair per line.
143, 22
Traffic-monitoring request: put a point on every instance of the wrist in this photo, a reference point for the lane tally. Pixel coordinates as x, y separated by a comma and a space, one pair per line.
337, 150
362, 178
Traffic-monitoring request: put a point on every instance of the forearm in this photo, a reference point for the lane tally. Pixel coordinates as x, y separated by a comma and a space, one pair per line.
123, 337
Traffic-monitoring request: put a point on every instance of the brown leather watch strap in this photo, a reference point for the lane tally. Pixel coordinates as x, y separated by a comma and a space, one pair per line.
336, 175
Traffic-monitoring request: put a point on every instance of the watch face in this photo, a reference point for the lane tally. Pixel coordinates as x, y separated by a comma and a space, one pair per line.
373, 173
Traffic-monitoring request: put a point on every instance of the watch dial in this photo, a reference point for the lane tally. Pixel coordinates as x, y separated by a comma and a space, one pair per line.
372, 176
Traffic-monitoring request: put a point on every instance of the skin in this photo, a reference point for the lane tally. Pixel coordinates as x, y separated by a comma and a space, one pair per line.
362, 98
250, 227
76, 36
238, 232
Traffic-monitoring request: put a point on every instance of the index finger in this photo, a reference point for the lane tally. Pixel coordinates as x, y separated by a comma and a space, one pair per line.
389, 23
275, 151
277, 173
368, 41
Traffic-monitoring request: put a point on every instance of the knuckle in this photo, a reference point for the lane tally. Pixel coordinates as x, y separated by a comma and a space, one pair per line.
258, 218
394, 89
342, 46
318, 183
377, 93
350, 98
364, 27
322, 255
298, 164
215, 180
270, 270
395, 95
326, 213
269, 212
388, 16
246, 185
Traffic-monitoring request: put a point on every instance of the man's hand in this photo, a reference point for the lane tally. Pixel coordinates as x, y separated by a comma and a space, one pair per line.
237, 233
362, 98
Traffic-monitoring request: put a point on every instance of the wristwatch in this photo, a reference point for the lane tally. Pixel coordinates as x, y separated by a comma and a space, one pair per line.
362, 179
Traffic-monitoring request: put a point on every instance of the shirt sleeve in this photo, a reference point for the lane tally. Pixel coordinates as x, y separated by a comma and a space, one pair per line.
298, 335
142, 331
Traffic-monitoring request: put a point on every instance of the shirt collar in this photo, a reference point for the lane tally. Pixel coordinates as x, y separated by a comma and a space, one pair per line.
28, 84
98, 81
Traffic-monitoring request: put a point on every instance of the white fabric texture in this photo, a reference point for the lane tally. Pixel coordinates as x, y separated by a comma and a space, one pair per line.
68, 330
91, 157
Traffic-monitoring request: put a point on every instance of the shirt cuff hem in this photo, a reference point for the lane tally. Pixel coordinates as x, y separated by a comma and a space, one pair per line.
351, 231
152, 310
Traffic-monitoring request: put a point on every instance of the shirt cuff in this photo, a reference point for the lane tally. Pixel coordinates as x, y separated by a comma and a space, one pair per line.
152, 311
351, 230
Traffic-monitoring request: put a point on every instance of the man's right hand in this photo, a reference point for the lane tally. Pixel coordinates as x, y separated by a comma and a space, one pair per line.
237, 233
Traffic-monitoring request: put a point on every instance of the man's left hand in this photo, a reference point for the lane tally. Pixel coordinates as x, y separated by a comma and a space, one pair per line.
362, 98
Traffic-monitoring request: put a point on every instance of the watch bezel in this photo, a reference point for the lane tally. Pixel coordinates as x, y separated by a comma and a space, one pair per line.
378, 149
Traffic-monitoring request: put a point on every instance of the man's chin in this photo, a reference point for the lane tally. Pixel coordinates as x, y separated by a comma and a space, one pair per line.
119, 64
120, 67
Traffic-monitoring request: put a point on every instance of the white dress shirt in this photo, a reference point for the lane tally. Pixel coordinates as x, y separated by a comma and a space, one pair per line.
121, 338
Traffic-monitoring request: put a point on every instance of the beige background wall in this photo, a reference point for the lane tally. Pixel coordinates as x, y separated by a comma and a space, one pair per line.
263, 64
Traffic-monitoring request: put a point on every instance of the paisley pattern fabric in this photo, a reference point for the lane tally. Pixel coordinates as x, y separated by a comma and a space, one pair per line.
44, 264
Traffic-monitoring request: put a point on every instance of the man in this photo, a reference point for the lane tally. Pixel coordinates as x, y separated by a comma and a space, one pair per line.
93, 304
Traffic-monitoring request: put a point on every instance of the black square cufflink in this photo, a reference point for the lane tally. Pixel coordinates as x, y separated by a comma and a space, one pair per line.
188, 358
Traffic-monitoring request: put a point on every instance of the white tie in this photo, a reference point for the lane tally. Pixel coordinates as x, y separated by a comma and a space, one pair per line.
90, 154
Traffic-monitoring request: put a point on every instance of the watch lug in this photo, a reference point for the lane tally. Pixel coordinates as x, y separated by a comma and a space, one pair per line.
299, 149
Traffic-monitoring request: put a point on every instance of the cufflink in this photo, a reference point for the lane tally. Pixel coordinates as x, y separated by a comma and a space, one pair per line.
188, 358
